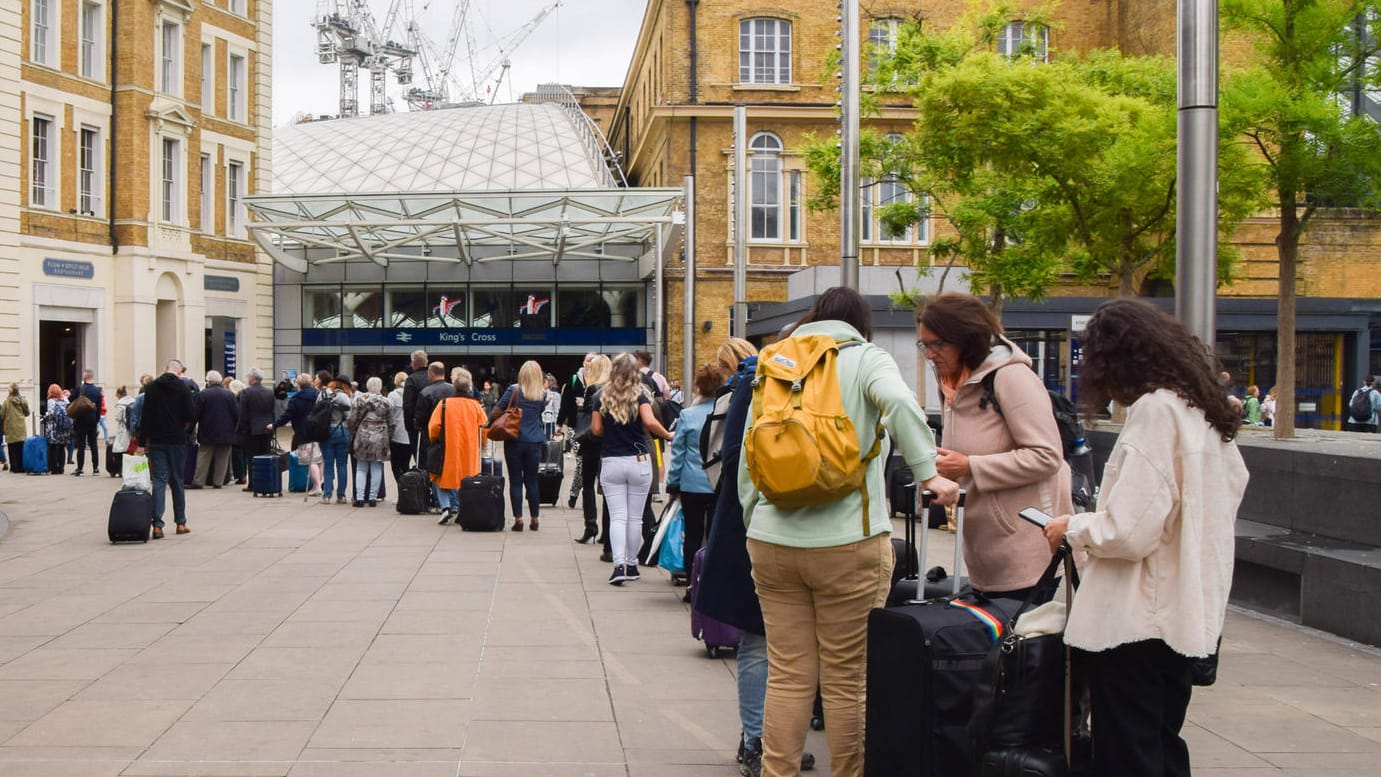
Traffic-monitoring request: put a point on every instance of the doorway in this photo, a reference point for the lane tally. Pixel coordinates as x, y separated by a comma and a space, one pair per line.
58, 355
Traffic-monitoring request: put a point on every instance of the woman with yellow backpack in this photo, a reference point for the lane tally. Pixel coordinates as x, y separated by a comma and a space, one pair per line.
814, 502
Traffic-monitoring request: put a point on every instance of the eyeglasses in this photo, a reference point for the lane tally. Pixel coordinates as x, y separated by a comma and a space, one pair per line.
933, 345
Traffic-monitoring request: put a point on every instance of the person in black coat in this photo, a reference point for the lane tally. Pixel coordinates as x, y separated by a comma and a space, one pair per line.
256, 415
299, 407
84, 427
168, 408
218, 416
412, 389
725, 590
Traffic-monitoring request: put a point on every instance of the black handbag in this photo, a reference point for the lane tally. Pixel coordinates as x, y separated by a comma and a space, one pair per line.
436, 452
277, 450
1023, 685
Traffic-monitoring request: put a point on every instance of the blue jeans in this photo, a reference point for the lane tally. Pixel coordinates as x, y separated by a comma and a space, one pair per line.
335, 452
522, 460
369, 475
447, 498
166, 465
752, 683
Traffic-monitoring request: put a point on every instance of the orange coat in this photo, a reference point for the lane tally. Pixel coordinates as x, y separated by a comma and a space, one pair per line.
464, 417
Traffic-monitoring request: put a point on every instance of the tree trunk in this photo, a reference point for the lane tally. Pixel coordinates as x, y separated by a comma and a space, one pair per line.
1287, 249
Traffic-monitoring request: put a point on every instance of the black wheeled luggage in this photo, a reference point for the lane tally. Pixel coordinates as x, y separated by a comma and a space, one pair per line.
924, 661
910, 555
550, 472
1023, 763
480, 504
131, 516
113, 460
265, 476
414, 488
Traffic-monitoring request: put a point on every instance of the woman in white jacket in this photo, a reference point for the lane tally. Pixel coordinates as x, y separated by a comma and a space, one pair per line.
1160, 543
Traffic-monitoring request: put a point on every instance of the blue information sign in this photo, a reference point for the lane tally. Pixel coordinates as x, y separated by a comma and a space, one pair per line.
69, 268
423, 338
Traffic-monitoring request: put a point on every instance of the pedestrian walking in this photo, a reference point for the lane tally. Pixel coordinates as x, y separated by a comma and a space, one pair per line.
1160, 543
370, 425
623, 418
86, 418
169, 408
523, 456
1364, 408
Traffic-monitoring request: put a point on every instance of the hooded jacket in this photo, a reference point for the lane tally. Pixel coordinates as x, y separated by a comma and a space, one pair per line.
1016, 460
872, 391
168, 408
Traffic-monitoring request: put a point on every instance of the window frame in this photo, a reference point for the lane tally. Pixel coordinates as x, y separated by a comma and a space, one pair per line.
873, 53
1019, 33
234, 197
91, 40
765, 166
44, 45
208, 78
750, 73
89, 170
172, 185
236, 81
206, 171
170, 67
48, 190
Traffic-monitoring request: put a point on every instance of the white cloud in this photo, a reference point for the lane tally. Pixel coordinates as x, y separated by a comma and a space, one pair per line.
583, 43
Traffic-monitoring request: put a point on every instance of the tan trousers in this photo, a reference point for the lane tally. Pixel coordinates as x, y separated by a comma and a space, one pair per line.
815, 604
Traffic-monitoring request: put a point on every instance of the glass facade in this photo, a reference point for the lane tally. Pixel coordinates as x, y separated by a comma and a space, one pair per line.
458, 306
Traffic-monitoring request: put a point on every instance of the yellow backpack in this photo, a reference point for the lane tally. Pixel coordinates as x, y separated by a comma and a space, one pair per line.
801, 447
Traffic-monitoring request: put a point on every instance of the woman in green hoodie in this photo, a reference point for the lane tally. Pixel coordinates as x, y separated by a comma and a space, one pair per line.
820, 569
13, 412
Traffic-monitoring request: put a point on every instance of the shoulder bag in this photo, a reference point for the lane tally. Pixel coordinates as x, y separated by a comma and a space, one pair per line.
436, 452
508, 424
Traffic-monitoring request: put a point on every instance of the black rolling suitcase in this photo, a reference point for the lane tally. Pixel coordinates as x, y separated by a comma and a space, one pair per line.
113, 461
924, 661
549, 474
131, 516
480, 503
910, 556
265, 475
1023, 763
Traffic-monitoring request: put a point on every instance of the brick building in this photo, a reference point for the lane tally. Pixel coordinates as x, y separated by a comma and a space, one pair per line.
694, 61
139, 127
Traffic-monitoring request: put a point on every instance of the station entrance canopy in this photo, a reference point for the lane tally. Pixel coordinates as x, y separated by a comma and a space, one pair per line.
619, 224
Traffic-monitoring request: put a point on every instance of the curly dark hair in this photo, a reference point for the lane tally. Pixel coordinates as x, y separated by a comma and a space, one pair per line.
1131, 348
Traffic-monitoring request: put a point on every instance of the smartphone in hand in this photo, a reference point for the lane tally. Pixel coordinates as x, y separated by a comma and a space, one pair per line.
1035, 516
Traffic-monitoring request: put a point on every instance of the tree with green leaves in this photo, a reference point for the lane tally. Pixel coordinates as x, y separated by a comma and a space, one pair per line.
1309, 99
1044, 168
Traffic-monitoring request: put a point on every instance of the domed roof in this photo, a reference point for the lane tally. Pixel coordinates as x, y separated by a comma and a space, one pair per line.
517, 146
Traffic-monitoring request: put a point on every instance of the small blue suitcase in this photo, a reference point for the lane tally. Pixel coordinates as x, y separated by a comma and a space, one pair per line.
36, 455
265, 479
297, 475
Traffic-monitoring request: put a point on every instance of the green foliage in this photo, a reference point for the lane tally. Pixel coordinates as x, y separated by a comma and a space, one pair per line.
1040, 168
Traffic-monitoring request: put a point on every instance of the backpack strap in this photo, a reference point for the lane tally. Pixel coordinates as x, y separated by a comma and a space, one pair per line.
989, 393
879, 433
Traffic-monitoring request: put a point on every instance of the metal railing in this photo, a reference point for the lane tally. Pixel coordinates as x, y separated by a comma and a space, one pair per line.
595, 141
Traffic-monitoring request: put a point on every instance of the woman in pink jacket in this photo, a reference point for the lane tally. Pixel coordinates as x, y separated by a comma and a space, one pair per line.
1002, 445
1160, 543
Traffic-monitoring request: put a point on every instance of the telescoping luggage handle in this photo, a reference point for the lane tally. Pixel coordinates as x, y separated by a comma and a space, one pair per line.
924, 531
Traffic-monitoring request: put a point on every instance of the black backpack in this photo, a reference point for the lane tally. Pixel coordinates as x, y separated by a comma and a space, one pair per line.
1075, 448
318, 426
1359, 407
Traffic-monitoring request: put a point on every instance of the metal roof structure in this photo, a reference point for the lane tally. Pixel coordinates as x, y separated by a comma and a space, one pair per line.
469, 184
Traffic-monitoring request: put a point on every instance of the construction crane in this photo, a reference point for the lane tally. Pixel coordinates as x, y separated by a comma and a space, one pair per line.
437, 62
347, 34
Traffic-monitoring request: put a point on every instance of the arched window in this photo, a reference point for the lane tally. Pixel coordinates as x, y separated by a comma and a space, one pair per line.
765, 187
881, 192
1024, 39
764, 51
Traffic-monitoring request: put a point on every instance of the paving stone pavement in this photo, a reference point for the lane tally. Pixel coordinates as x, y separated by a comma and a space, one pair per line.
284, 638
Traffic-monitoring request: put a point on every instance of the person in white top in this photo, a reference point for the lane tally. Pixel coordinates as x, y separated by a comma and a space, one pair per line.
1160, 543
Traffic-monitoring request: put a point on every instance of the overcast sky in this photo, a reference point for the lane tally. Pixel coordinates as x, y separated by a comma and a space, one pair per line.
583, 42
